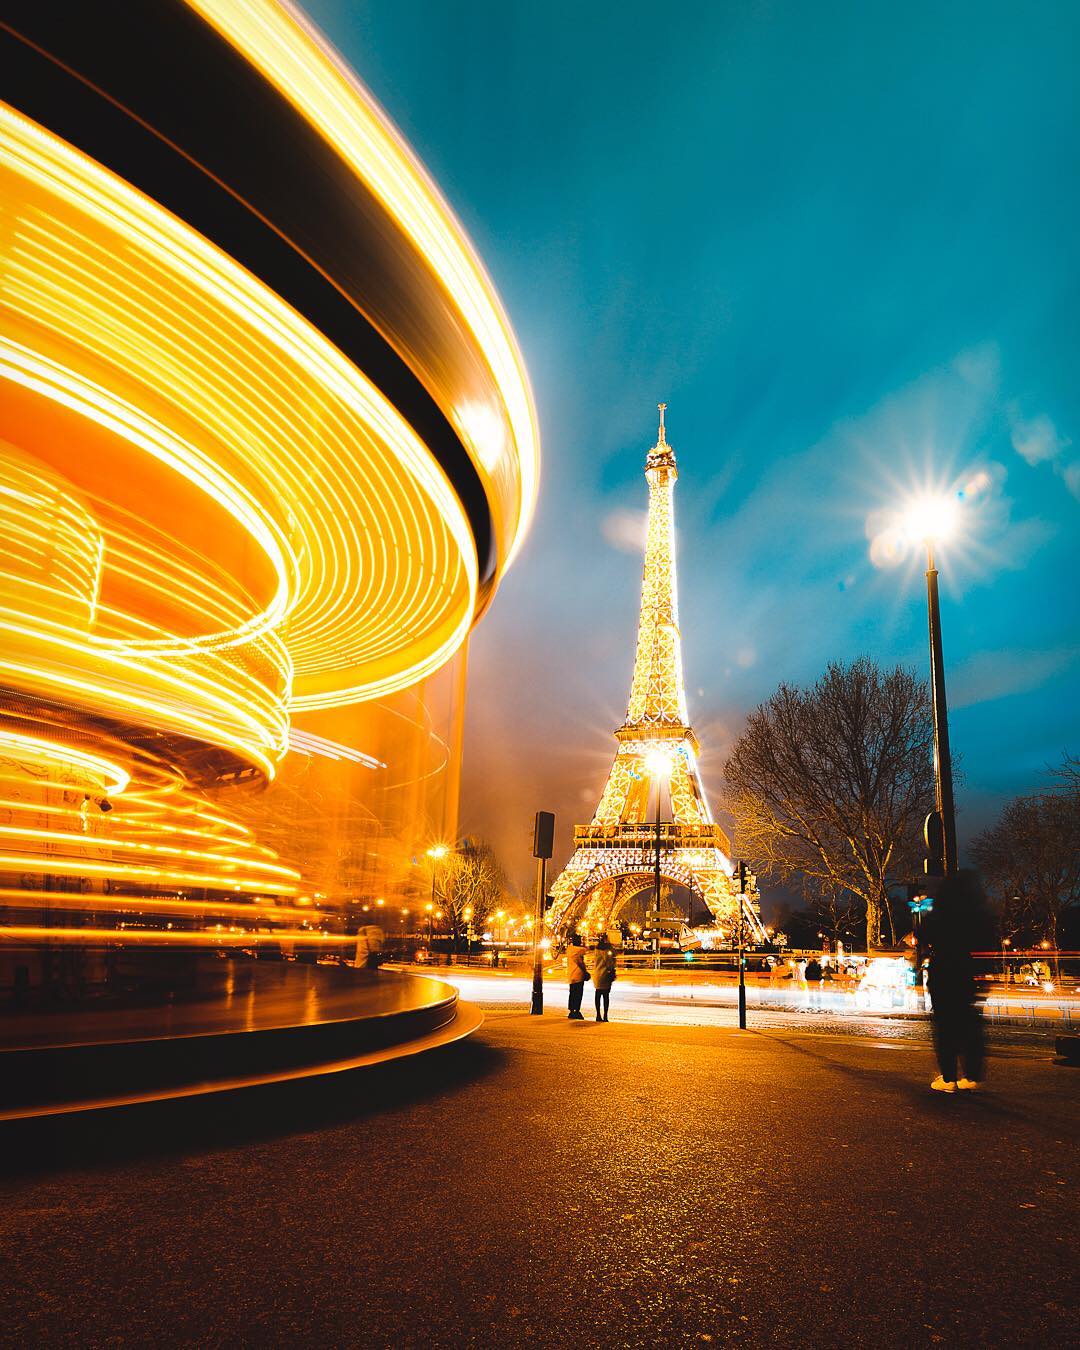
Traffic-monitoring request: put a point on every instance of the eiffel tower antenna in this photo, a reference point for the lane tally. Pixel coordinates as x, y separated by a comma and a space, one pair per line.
614, 857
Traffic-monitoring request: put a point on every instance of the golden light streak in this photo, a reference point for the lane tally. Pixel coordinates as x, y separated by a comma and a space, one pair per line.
302, 65
373, 557
214, 518
161, 937
250, 911
36, 751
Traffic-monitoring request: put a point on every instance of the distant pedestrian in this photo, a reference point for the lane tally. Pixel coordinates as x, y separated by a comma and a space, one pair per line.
369, 946
576, 975
957, 923
799, 986
813, 982
602, 965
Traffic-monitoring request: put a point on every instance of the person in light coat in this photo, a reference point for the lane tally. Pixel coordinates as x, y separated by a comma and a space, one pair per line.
576, 975
602, 967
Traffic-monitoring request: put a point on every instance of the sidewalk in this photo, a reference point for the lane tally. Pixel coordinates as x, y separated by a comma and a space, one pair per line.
549, 1183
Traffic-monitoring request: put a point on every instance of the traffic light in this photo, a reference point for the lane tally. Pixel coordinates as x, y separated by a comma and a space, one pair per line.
543, 834
918, 901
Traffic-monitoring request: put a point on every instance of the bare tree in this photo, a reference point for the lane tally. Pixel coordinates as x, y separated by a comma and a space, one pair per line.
837, 912
1068, 774
829, 786
468, 884
1030, 859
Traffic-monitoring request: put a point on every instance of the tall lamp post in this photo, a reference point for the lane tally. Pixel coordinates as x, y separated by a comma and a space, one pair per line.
931, 521
543, 845
435, 853
739, 879
659, 766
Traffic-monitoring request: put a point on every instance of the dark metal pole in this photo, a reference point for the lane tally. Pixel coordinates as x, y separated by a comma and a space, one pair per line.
538, 928
742, 959
543, 844
943, 785
656, 934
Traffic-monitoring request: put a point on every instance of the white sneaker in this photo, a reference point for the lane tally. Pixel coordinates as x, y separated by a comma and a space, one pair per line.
968, 1085
939, 1085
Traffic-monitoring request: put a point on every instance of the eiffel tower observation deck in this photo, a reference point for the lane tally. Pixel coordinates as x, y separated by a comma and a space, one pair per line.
614, 855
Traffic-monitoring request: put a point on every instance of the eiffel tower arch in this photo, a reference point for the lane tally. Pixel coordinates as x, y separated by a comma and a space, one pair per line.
607, 899
614, 855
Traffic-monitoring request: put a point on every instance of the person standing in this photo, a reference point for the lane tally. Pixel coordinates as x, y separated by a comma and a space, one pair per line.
576, 975
956, 924
813, 975
799, 986
602, 966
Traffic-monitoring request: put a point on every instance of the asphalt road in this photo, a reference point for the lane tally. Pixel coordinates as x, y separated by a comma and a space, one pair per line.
553, 1183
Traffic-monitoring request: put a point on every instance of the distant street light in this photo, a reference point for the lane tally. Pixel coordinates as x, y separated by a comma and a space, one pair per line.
932, 520
436, 852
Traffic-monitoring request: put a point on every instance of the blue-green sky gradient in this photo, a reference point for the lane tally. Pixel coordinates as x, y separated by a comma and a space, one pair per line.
842, 241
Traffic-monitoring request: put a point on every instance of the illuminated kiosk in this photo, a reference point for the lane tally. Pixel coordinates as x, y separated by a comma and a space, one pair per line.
266, 447
614, 856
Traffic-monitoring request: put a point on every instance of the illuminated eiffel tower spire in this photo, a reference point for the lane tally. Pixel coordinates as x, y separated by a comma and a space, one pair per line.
615, 855
657, 696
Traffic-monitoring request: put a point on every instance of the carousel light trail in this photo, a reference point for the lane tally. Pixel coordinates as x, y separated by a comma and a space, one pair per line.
215, 518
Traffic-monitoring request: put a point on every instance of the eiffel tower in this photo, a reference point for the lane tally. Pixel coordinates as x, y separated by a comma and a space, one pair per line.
615, 856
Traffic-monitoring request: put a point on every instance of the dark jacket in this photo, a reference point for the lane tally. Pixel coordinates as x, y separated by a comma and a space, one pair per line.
957, 924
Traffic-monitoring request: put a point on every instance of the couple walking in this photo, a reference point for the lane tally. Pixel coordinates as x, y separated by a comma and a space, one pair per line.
580, 965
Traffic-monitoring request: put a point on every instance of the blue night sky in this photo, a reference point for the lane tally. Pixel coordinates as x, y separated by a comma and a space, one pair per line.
841, 242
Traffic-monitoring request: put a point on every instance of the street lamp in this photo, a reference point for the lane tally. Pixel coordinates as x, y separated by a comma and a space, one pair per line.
436, 852
932, 520
658, 765
467, 918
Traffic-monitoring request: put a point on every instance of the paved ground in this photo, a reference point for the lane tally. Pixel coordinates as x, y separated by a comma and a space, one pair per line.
691, 995
553, 1183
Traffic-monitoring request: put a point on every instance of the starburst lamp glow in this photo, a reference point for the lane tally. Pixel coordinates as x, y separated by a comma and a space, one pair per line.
931, 519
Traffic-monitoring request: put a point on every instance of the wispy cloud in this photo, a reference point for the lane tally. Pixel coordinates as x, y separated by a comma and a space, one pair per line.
625, 529
1038, 441
987, 676
980, 366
